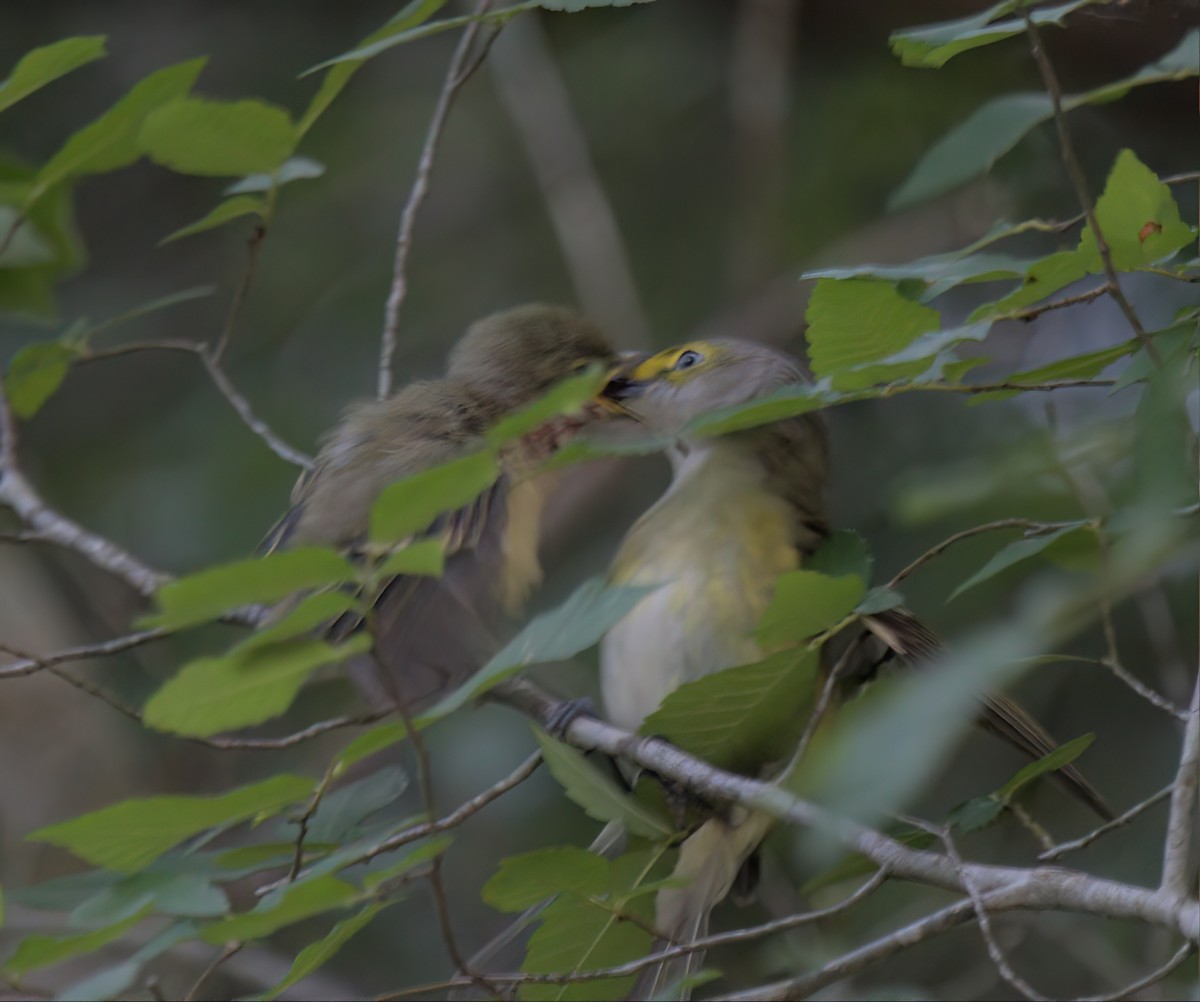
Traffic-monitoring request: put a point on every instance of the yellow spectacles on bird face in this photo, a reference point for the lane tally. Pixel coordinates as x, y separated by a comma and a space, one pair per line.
675, 365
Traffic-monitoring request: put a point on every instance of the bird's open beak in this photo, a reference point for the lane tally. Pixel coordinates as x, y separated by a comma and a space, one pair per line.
619, 386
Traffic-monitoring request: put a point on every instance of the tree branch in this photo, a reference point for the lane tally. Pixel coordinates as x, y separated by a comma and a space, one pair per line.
1181, 824
1055, 852
457, 74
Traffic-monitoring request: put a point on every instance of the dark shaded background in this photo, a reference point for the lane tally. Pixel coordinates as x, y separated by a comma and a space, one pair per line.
723, 196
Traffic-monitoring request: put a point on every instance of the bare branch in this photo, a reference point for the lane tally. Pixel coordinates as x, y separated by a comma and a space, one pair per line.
1181, 825
1055, 304
253, 249
533, 94
1153, 978
226, 952
30, 664
456, 75
1079, 181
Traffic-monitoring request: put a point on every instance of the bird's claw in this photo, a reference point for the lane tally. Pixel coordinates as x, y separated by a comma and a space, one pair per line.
566, 713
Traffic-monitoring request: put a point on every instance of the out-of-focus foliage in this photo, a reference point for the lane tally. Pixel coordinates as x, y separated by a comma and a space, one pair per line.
316, 866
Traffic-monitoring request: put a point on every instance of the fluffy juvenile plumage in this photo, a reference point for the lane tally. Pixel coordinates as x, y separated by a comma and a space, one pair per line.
432, 633
741, 509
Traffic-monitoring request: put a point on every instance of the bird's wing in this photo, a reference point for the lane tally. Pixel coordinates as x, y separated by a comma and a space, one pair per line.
902, 635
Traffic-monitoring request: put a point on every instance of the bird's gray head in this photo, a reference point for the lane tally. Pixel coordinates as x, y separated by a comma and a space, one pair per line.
516, 355
666, 391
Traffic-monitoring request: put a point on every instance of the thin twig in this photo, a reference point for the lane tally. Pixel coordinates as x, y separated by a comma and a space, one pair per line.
226, 952
253, 249
310, 809
1060, 850
744, 935
456, 76
1181, 824
1055, 304
532, 91
1079, 181
1031, 528
1153, 978
30, 664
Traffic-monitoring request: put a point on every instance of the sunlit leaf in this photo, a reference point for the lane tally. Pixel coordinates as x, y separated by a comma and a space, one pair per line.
568, 397
741, 718
206, 595
854, 322
230, 209
46, 64
244, 687
132, 834
523, 881
598, 794
804, 604
222, 138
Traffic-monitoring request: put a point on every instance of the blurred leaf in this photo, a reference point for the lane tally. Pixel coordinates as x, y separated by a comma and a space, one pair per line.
1164, 456
411, 505
23, 245
293, 169
561, 633
366, 745
153, 306
35, 373
1173, 345
221, 138
525, 880
791, 401
208, 594
316, 955
845, 552
116, 981
974, 814
230, 209
309, 613
36, 952
857, 321
1, 907
423, 853
188, 895
1015, 552
741, 718
805, 604
878, 600
933, 45
46, 64
1137, 215
994, 128
342, 812
283, 907
245, 687
132, 834
567, 397
599, 796
111, 141
426, 557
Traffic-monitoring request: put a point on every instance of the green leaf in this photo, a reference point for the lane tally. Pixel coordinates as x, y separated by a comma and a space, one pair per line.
411, 505
1137, 215
230, 209
577, 935
365, 745
116, 982
1063, 755
791, 401
933, 45
46, 64
25, 246
805, 604
130, 835
426, 557
1044, 277
36, 952
858, 321
283, 907
245, 687
111, 141
221, 138
431, 848
342, 812
1015, 552
525, 880
188, 895
741, 718
293, 169
843, 553
308, 614
877, 600
206, 595
1084, 366
316, 955
996, 127
1173, 344
599, 796
567, 397
574, 626
34, 374
937, 273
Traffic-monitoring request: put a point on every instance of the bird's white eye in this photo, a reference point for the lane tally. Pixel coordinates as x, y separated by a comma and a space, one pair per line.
687, 360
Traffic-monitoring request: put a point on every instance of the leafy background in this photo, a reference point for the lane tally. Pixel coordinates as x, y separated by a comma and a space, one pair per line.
719, 221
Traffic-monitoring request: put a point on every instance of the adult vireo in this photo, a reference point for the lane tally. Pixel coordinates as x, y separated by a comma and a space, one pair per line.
741, 510
433, 633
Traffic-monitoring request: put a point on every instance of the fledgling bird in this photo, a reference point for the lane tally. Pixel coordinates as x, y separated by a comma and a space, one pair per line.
433, 633
742, 509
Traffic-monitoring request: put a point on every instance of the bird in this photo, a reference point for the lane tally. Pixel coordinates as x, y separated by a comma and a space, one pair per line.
431, 634
741, 510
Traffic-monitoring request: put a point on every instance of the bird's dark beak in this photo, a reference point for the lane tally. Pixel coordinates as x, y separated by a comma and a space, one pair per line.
620, 386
